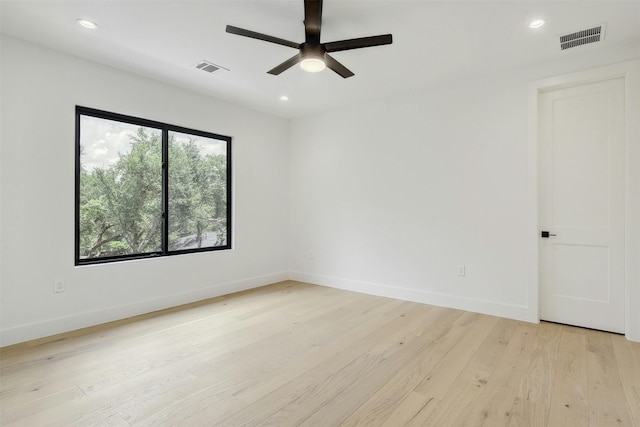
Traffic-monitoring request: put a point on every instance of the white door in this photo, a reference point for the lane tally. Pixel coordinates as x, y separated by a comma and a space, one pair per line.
582, 202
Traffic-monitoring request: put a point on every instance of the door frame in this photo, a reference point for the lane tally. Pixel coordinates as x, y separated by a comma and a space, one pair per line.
630, 72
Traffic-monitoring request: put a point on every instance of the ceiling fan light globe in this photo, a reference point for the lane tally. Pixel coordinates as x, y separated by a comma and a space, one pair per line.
312, 65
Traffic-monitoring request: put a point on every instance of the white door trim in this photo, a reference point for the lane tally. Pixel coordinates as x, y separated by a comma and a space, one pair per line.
630, 71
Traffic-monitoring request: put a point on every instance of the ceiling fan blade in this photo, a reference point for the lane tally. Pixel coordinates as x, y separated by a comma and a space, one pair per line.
312, 20
358, 43
337, 67
285, 65
252, 34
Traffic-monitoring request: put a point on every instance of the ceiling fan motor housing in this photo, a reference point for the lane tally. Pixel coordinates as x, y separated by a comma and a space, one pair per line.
312, 51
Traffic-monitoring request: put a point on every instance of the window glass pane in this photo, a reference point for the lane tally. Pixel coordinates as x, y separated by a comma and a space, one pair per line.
197, 192
120, 195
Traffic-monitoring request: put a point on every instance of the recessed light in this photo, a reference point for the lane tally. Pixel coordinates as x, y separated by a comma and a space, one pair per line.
87, 24
536, 23
284, 98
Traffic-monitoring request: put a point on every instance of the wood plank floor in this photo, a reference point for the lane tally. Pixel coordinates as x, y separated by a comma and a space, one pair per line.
294, 354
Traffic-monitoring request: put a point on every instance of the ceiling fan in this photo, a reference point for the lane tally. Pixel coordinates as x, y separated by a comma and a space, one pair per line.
312, 55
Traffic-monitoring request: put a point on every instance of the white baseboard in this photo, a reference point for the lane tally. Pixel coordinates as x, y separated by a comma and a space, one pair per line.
510, 311
77, 321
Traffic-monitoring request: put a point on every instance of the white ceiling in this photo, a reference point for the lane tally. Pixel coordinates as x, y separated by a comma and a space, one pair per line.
432, 41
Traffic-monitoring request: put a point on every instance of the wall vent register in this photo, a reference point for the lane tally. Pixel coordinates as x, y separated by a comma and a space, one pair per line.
209, 67
579, 38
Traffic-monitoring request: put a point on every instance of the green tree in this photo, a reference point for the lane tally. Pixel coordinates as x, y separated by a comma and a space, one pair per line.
121, 205
197, 196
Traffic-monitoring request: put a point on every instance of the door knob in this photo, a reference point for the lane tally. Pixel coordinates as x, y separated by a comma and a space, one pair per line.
546, 234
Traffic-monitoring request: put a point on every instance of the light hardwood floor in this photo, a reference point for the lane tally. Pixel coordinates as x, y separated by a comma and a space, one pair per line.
297, 354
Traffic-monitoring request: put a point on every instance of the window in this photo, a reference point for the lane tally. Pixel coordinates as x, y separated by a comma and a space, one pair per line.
147, 189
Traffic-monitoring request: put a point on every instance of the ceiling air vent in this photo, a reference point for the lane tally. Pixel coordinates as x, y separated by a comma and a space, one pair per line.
579, 38
209, 67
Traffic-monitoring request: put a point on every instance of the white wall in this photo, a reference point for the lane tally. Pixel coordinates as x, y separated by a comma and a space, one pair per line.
40, 89
388, 198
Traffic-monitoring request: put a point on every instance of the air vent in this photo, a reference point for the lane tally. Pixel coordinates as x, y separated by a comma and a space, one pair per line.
209, 67
579, 38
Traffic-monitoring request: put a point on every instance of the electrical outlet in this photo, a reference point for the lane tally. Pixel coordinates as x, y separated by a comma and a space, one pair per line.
461, 269
58, 286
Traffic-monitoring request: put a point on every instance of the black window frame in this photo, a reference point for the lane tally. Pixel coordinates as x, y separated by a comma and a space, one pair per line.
165, 129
